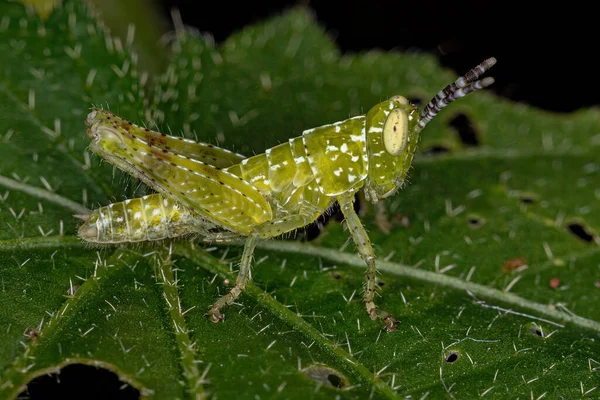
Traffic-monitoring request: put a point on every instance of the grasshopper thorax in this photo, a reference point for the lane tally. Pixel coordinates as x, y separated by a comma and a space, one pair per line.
393, 128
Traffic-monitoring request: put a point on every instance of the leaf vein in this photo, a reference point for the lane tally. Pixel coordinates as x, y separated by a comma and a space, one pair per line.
434, 278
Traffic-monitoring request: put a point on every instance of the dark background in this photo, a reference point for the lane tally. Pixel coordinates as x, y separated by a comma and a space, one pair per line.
546, 54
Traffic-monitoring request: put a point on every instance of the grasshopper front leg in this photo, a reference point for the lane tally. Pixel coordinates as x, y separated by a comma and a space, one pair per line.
363, 245
244, 275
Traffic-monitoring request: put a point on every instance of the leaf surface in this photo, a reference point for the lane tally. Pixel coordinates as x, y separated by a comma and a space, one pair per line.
491, 265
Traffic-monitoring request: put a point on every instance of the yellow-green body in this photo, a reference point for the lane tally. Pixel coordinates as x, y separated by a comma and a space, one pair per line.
209, 189
221, 196
152, 217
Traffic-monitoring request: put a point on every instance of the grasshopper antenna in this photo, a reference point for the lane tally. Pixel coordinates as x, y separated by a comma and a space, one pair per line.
461, 87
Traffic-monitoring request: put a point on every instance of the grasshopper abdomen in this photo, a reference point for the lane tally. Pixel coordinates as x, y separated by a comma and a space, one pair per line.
152, 217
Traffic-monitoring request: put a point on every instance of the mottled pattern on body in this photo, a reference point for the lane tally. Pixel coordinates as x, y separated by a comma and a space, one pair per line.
337, 155
223, 196
152, 217
219, 196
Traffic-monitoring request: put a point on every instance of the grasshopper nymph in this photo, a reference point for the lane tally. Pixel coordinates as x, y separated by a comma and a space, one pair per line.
221, 196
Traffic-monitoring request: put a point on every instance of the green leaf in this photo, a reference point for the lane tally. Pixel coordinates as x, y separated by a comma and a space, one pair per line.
491, 265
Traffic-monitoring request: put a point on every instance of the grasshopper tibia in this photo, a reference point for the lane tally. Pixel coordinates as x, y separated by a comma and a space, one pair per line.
244, 275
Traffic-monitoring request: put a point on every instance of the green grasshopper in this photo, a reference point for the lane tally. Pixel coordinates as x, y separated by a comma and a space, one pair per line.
221, 196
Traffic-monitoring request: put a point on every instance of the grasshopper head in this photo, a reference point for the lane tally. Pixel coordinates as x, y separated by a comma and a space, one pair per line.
393, 129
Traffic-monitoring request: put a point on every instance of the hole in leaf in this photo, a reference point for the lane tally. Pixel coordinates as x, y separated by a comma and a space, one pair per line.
417, 101
327, 376
336, 275
335, 381
475, 221
537, 332
466, 132
89, 382
436, 149
451, 358
580, 231
527, 198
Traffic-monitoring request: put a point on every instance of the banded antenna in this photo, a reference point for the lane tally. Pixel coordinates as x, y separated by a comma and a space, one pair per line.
460, 88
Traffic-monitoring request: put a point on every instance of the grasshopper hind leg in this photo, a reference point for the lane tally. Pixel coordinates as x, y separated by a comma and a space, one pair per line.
363, 245
240, 283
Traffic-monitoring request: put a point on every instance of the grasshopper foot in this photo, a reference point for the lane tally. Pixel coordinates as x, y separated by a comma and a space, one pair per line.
215, 315
390, 324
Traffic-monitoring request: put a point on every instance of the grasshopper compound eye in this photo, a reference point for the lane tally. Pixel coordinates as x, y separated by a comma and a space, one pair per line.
395, 131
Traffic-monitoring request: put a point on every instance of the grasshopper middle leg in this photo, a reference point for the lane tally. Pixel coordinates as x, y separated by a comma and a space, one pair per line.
363, 245
266, 230
244, 275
